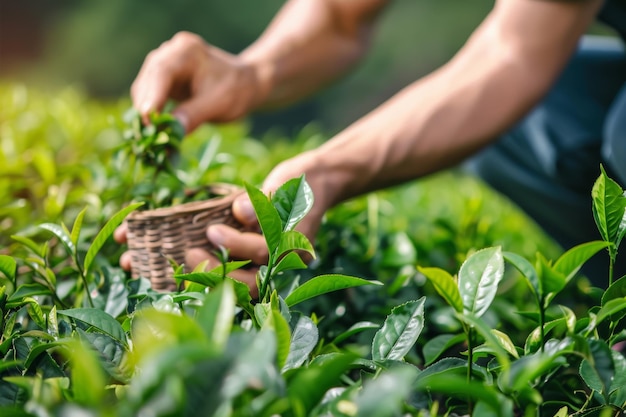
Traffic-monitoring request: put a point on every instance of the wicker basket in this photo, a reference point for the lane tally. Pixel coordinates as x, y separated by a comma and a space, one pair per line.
157, 236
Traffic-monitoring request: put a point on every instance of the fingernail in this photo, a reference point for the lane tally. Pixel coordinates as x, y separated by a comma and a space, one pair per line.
215, 235
245, 210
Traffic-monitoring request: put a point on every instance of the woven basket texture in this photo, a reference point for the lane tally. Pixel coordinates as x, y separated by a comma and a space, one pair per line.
157, 236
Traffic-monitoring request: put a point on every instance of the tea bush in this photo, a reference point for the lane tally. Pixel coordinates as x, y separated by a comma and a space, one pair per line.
421, 300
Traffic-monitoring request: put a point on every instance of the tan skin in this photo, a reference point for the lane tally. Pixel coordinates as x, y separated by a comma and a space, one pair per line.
506, 66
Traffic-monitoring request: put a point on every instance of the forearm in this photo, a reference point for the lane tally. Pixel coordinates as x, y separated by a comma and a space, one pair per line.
441, 119
309, 44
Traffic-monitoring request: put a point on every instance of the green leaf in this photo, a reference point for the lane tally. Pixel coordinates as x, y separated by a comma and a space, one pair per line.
293, 200
217, 313
62, 235
527, 270
609, 205
598, 371
294, 240
445, 285
78, 224
400, 251
30, 244
437, 345
87, 378
35, 312
254, 363
458, 387
283, 337
400, 331
100, 320
479, 277
323, 284
618, 386
616, 290
571, 261
355, 329
303, 340
289, 262
307, 386
386, 395
8, 267
610, 308
27, 290
269, 220
105, 232
491, 339
552, 281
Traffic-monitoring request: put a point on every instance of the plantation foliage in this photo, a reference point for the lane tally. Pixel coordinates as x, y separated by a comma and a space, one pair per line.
435, 298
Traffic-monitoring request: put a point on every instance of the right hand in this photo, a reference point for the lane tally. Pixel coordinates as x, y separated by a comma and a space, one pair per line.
209, 84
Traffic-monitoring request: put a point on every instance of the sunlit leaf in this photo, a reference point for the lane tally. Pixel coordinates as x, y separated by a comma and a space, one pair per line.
292, 201
445, 285
400, 331
78, 224
8, 267
62, 235
217, 314
269, 220
323, 284
100, 320
304, 338
479, 277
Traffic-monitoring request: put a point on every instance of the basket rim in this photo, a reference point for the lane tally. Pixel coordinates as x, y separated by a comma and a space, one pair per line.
226, 194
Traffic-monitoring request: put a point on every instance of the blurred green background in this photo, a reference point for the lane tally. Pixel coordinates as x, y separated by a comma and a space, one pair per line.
99, 46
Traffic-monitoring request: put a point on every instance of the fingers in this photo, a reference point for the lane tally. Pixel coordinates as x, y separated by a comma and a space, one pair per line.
196, 256
240, 245
120, 234
125, 261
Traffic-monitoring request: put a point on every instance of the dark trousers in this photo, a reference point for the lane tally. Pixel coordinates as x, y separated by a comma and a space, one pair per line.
547, 164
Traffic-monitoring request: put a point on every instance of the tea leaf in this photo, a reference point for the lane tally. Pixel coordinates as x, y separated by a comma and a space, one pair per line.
30, 244
78, 224
100, 320
303, 340
217, 313
618, 387
400, 331
385, 395
609, 205
283, 338
437, 345
292, 201
571, 261
269, 219
8, 267
445, 285
62, 235
355, 329
610, 308
527, 270
294, 240
307, 386
598, 370
289, 262
88, 381
616, 290
479, 277
105, 233
323, 284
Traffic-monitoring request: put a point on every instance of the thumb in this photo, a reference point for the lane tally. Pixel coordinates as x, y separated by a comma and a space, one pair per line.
244, 211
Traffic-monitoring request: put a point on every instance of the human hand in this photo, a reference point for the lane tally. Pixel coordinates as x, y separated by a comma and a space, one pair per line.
250, 245
208, 83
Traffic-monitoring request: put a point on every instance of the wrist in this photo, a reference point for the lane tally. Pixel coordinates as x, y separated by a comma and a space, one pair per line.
261, 73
